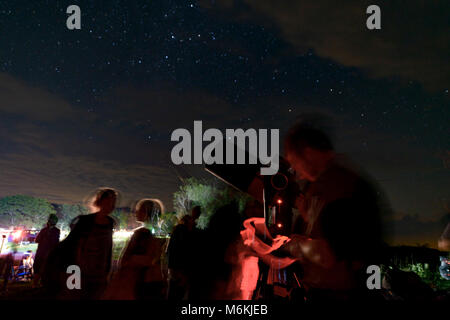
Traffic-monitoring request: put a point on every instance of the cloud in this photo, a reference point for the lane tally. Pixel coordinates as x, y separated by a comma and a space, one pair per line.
166, 108
64, 158
50, 149
46, 154
70, 179
21, 99
413, 43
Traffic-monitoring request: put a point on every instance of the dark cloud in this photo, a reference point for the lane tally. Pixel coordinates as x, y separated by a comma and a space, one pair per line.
70, 179
413, 43
167, 108
22, 99
131, 128
54, 150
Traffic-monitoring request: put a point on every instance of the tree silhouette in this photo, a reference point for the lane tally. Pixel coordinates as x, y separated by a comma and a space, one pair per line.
25, 211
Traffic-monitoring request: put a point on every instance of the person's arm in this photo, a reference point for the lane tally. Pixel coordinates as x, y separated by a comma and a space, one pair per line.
316, 251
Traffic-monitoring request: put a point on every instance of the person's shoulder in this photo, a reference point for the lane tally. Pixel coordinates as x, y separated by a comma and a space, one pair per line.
142, 231
180, 227
113, 222
54, 230
75, 221
82, 220
142, 234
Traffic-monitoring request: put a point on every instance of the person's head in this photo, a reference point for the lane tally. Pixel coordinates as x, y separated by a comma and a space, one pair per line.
308, 150
52, 220
145, 209
104, 201
187, 221
196, 212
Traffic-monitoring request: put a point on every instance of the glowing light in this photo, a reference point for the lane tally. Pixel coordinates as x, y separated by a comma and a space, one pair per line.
279, 225
122, 234
17, 234
279, 201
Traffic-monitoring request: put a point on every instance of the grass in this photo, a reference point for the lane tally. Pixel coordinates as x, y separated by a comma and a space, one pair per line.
24, 291
117, 248
22, 247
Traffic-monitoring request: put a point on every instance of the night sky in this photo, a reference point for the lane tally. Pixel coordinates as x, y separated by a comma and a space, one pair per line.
95, 107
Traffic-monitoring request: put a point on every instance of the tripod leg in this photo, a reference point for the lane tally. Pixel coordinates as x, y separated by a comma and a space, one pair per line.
257, 292
262, 288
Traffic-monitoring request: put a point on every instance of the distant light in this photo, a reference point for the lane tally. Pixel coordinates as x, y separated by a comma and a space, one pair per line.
279, 225
17, 234
279, 201
123, 233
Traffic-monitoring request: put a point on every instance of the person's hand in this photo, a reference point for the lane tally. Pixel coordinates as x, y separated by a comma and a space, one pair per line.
294, 247
279, 241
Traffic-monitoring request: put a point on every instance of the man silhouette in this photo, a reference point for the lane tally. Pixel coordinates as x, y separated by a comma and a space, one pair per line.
338, 233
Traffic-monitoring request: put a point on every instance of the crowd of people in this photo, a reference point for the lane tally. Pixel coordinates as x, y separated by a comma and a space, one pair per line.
336, 234
191, 264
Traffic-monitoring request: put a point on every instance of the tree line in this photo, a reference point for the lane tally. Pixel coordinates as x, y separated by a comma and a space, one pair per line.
31, 212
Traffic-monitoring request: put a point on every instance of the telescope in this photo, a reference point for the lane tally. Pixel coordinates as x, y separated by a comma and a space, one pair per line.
276, 192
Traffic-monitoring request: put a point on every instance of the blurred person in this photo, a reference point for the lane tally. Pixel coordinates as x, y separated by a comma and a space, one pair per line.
26, 266
47, 240
89, 246
219, 257
338, 233
92, 234
140, 275
7, 268
179, 253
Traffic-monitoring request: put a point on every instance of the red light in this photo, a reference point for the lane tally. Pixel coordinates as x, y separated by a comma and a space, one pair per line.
279, 225
279, 201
